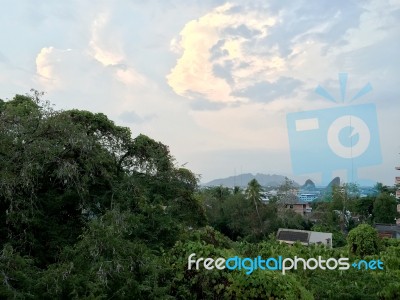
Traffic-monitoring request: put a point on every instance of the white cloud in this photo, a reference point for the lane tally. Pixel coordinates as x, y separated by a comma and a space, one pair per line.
193, 73
233, 47
49, 61
105, 49
43, 66
101, 59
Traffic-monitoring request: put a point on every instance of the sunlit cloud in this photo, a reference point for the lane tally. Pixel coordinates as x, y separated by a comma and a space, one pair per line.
206, 43
101, 48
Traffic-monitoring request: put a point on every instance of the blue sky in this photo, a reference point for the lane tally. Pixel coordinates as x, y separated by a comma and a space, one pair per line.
214, 80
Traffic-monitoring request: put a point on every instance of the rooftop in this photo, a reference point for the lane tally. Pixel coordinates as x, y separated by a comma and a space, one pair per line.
291, 236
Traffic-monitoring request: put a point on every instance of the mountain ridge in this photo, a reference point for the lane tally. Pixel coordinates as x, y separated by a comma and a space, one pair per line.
242, 180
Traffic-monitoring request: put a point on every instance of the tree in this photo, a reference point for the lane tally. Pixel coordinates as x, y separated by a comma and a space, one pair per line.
339, 202
285, 192
384, 210
61, 169
18, 275
381, 188
108, 261
253, 194
364, 207
363, 240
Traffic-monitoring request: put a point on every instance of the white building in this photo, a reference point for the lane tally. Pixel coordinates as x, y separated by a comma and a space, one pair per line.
307, 197
290, 236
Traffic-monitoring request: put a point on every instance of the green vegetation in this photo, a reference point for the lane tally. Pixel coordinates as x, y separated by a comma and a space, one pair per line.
88, 212
363, 240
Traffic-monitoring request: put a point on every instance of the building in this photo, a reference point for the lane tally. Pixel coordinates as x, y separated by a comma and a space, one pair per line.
301, 207
291, 236
264, 197
397, 182
307, 197
388, 230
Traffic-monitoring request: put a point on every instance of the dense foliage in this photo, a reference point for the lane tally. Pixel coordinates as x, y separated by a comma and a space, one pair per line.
88, 212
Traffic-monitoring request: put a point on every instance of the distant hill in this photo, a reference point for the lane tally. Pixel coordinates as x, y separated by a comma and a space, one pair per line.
308, 185
335, 182
329, 188
243, 179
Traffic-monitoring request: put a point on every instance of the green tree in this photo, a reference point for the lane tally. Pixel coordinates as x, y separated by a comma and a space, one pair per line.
60, 169
107, 262
18, 275
384, 210
364, 208
253, 194
381, 188
363, 240
285, 192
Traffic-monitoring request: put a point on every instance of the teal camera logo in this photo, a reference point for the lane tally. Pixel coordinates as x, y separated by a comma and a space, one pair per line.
344, 137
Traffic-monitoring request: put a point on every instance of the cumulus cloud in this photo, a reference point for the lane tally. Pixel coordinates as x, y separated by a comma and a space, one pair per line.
89, 84
50, 61
105, 48
102, 59
255, 51
210, 37
43, 64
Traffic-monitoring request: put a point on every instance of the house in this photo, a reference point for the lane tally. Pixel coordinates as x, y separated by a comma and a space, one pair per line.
388, 230
290, 236
301, 207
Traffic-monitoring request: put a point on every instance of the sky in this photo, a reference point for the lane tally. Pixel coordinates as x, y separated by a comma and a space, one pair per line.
216, 80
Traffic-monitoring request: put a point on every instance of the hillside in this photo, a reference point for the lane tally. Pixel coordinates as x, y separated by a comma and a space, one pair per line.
243, 179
